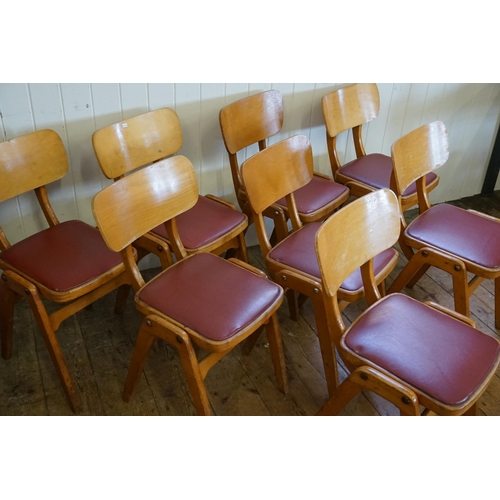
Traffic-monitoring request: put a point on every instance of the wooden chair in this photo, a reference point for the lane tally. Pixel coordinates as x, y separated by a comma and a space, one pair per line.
201, 300
455, 240
350, 108
68, 263
253, 120
292, 262
212, 225
408, 352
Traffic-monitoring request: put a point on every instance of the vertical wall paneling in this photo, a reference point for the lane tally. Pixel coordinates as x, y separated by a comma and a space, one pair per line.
470, 111
79, 118
212, 148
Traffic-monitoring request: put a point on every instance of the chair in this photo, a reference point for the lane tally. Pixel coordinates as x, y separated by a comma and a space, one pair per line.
350, 108
201, 300
212, 225
67, 263
292, 262
253, 120
455, 240
408, 352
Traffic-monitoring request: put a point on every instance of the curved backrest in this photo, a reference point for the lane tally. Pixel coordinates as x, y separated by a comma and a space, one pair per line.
349, 107
250, 120
355, 234
277, 171
418, 153
139, 202
31, 161
138, 141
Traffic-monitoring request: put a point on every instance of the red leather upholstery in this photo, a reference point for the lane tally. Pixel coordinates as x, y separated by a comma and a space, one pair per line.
317, 194
434, 353
460, 233
210, 295
298, 251
204, 223
62, 257
375, 170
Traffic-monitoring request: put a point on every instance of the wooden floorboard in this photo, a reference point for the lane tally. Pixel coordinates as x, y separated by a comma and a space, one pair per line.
98, 345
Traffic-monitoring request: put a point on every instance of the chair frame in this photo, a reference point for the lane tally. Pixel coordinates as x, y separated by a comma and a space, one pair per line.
121, 200
370, 214
349, 108
14, 284
253, 120
263, 188
433, 138
148, 138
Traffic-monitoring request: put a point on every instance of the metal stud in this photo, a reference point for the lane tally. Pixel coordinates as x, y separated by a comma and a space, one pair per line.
283, 278
4, 277
316, 290
425, 253
276, 213
179, 340
160, 248
148, 322
364, 376
406, 400
457, 268
26, 291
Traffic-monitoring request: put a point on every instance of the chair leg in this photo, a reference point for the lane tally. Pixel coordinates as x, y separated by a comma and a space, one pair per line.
326, 345
251, 341
472, 411
145, 341
121, 298
293, 304
241, 251
340, 398
8, 299
276, 348
54, 349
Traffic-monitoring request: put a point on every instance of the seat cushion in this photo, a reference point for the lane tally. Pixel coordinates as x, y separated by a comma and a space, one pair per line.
62, 257
459, 232
207, 221
436, 354
210, 295
298, 251
316, 194
375, 170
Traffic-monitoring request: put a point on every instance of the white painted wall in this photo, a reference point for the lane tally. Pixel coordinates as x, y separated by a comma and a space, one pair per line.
469, 110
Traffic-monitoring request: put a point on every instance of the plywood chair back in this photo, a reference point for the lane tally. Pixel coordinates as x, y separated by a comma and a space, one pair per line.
138, 141
251, 120
350, 108
351, 238
39, 266
30, 162
415, 155
276, 173
143, 200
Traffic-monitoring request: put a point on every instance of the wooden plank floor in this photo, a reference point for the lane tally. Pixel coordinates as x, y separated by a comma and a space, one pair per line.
98, 346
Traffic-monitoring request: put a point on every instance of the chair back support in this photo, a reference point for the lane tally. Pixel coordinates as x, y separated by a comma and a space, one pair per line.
31, 161
250, 120
145, 199
350, 107
277, 171
356, 234
138, 141
418, 153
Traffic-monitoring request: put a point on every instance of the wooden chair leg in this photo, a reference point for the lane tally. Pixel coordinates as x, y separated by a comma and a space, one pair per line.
326, 345
276, 348
251, 341
293, 304
472, 411
121, 298
8, 299
241, 251
145, 341
54, 348
340, 398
